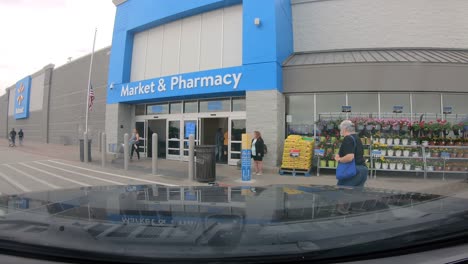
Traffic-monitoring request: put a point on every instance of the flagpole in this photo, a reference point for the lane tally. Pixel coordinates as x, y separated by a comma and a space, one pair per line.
89, 81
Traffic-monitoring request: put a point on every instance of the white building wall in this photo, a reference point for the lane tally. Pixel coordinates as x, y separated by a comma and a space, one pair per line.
207, 41
358, 24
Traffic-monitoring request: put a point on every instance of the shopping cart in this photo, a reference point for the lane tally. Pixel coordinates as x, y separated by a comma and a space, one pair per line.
10, 142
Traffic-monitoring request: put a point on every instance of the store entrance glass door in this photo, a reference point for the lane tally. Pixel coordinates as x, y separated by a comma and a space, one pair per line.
237, 127
190, 128
142, 144
173, 139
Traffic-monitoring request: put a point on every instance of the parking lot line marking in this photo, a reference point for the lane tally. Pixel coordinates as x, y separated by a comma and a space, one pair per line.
14, 183
116, 175
53, 186
81, 174
55, 175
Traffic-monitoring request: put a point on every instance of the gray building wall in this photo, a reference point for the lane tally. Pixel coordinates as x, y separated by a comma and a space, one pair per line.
4, 115
266, 113
34, 128
67, 95
392, 77
120, 119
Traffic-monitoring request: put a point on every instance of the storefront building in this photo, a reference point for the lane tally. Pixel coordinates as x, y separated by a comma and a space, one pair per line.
198, 66
279, 67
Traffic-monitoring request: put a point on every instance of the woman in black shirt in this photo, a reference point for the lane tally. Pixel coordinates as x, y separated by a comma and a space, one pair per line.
350, 149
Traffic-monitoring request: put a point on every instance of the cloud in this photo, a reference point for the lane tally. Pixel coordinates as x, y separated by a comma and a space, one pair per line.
34, 3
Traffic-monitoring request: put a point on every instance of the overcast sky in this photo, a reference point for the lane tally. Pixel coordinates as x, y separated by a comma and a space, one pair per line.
35, 33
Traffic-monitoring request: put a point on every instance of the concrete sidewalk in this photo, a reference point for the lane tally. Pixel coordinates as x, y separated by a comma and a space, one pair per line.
176, 172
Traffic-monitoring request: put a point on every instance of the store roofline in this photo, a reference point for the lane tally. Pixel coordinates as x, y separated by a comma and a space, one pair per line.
118, 2
381, 55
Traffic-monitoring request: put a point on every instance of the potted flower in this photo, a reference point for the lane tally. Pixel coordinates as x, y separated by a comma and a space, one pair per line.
386, 125
407, 165
448, 167
405, 124
415, 154
415, 126
418, 165
460, 153
390, 152
382, 140
438, 166
323, 163
398, 151
404, 140
378, 163
430, 166
384, 163
392, 165
435, 153
465, 155
406, 152
400, 165
396, 140
395, 124
456, 128
370, 125
453, 154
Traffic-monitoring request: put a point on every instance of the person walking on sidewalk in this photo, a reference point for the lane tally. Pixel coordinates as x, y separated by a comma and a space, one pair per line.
20, 136
352, 150
133, 143
258, 151
13, 137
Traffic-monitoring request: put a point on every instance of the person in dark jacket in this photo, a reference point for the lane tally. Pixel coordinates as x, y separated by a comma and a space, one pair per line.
20, 136
258, 151
13, 137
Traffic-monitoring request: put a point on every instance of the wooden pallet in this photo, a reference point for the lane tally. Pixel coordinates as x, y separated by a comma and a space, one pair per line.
288, 171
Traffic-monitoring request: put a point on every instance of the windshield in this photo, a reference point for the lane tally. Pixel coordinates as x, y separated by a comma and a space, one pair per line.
209, 131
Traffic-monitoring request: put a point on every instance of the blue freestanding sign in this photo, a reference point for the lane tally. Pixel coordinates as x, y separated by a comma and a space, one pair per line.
246, 164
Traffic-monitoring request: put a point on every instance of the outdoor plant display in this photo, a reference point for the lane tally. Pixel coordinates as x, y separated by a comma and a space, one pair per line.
401, 138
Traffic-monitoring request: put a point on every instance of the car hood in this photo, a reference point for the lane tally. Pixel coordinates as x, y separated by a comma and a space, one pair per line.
211, 222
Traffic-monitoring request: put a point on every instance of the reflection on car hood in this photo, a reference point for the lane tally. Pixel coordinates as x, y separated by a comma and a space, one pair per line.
210, 222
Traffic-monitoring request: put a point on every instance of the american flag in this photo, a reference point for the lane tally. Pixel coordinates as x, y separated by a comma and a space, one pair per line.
91, 98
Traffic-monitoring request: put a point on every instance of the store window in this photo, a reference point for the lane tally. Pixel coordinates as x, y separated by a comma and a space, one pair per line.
140, 110
191, 107
459, 105
175, 108
389, 100
427, 104
364, 104
330, 105
220, 105
300, 114
158, 109
238, 104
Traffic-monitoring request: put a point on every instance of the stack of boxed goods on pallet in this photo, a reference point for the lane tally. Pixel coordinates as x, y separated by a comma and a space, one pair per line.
304, 146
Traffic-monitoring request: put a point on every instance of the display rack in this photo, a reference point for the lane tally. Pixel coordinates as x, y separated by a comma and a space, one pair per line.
446, 158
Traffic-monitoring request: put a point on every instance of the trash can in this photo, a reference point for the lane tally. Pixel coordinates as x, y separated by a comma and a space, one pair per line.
82, 150
205, 163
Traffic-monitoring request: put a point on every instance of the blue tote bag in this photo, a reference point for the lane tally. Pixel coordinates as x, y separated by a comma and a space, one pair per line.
347, 170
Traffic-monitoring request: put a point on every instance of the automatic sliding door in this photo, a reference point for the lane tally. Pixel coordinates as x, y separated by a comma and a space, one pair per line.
237, 127
173, 139
190, 128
